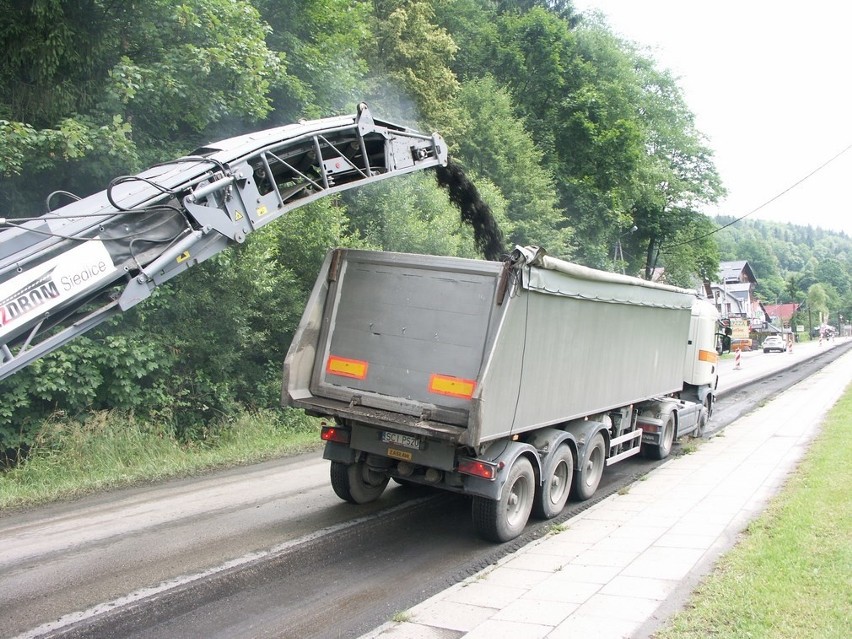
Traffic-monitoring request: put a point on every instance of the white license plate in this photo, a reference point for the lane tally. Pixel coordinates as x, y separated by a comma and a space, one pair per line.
408, 441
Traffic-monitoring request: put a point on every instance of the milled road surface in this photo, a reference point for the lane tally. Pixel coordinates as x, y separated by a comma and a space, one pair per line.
269, 550
73, 556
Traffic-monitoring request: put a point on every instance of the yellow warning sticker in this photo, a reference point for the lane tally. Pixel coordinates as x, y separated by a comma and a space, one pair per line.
452, 386
354, 368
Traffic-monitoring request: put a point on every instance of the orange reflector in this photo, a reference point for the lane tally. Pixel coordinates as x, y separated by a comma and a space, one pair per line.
452, 386
354, 368
707, 356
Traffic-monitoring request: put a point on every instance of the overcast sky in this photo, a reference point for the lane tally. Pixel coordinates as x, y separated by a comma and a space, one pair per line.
770, 84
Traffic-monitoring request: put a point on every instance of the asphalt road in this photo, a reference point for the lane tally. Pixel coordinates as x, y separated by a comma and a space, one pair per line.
269, 551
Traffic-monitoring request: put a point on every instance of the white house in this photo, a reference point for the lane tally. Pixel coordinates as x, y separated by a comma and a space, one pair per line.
733, 294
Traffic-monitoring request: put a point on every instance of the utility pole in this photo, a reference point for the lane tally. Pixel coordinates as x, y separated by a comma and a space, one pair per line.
618, 255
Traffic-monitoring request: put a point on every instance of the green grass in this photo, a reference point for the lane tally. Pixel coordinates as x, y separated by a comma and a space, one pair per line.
689, 446
401, 616
109, 450
791, 575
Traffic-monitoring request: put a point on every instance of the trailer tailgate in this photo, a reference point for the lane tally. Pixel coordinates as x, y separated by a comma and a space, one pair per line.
400, 333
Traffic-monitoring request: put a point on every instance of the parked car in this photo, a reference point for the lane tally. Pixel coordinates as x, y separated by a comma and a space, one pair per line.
774, 343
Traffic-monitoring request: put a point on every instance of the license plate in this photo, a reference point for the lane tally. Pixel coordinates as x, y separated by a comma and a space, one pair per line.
408, 441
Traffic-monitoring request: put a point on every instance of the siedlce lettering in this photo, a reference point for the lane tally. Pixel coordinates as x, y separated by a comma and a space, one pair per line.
78, 279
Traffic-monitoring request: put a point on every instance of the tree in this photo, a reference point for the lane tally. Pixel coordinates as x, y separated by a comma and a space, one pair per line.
831, 271
414, 215
794, 289
495, 144
818, 300
574, 119
633, 144
322, 41
473, 26
534, 56
410, 58
693, 255
93, 89
676, 177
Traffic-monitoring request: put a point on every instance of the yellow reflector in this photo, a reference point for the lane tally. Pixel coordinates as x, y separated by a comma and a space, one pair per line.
354, 368
707, 356
452, 386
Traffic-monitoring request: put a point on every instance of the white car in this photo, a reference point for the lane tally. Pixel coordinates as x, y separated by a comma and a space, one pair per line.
774, 343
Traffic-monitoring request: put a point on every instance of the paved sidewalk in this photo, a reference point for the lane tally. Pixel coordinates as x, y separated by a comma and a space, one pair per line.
620, 568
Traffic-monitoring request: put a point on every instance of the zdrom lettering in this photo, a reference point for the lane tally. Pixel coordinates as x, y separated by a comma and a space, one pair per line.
26, 301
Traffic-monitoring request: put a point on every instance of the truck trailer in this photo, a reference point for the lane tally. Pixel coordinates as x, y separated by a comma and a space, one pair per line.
513, 382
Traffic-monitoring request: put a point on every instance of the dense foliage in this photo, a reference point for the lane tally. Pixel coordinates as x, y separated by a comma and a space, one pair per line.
572, 135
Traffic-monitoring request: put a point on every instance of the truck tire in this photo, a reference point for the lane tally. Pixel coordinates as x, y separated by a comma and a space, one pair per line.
701, 428
662, 450
505, 519
356, 483
588, 475
555, 487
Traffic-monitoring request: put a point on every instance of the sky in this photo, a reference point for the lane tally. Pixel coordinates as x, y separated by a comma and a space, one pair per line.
770, 84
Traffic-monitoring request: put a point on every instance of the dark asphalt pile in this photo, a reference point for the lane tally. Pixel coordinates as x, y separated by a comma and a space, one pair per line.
462, 192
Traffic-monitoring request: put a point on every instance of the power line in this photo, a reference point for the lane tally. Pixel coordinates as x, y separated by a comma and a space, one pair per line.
768, 202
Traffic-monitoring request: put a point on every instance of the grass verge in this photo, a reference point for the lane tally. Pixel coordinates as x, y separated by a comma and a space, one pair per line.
790, 575
110, 450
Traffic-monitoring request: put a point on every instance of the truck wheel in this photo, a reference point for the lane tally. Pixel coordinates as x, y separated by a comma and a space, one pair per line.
555, 487
588, 476
662, 450
505, 518
701, 428
356, 483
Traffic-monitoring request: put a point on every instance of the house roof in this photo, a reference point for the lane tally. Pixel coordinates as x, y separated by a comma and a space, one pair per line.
782, 311
732, 271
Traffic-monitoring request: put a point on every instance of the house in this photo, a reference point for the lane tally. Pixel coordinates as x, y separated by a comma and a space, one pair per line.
733, 294
781, 314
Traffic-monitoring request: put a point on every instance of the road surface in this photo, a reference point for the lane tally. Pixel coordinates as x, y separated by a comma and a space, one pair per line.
269, 550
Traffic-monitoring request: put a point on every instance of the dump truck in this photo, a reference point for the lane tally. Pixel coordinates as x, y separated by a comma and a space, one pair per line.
515, 382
